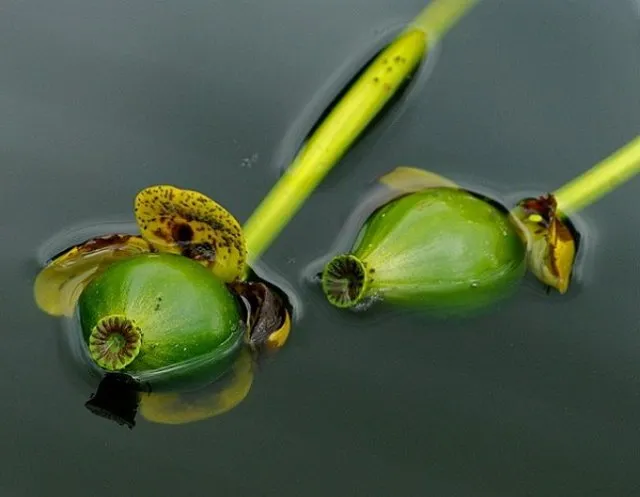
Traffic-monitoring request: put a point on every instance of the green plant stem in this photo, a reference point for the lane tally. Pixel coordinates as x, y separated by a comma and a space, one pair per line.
348, 119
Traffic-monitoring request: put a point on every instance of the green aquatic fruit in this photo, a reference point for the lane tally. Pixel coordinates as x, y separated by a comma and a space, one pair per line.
434, 245
160, 317
172, 309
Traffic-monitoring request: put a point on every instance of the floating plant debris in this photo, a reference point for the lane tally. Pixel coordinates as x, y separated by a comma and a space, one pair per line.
117, 399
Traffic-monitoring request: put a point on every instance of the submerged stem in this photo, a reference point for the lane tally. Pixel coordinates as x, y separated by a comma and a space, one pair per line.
347, 120
345, 281
605, 176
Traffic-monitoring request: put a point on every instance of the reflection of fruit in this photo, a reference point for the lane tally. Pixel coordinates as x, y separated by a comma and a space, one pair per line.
207, 402
160, 317
440, 247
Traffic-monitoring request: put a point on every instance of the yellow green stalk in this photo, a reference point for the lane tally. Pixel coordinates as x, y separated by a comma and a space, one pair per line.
608, 174
347, 120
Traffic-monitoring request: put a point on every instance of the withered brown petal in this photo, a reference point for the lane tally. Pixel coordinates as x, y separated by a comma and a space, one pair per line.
267, 314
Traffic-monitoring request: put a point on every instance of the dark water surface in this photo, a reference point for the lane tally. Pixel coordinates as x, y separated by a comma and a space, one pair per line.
540, 397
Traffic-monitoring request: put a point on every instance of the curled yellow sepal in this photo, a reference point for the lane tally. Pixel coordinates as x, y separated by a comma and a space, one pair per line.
58, 286
551, 247
278, 338
210, 401
189, 223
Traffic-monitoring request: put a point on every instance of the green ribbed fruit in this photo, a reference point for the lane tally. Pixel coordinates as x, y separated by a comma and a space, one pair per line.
160, 318
441, 247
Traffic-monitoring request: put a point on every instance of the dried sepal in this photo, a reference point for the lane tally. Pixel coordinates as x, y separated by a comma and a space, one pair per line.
188, 223
59, 285
551, 245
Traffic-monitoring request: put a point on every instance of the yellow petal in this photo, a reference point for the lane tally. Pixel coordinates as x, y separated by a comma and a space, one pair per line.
189, 223
404, 179
58, 286
550, 243
210, 401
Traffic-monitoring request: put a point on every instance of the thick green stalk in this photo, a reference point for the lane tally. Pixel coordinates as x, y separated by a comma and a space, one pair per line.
348, 119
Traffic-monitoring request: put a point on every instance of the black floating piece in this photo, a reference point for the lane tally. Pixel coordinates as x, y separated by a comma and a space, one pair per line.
116, 399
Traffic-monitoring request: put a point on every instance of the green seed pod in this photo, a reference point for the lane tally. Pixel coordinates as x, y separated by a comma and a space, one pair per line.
160, 318
440, 247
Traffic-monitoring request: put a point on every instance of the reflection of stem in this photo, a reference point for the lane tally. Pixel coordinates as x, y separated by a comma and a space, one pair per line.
348, 119
600, 179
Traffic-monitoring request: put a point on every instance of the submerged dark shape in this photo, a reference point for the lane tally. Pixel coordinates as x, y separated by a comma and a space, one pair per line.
116, 399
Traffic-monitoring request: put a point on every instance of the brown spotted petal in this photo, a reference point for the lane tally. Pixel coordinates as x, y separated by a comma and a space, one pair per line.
269, 321
58, 286
551, 244
189, 223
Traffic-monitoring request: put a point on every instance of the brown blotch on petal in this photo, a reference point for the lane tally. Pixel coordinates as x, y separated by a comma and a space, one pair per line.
182, 232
